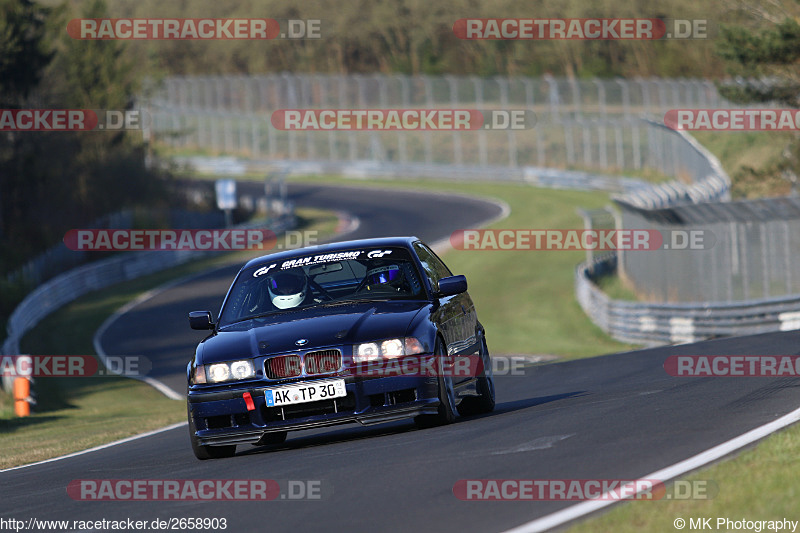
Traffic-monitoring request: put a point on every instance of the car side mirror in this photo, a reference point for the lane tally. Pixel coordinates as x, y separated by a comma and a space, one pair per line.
452, 285
200, 320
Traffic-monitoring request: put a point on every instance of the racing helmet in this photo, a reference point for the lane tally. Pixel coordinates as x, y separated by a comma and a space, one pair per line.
386, 276
287, 289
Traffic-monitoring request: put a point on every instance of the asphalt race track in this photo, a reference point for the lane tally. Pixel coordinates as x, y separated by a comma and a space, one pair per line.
612, 417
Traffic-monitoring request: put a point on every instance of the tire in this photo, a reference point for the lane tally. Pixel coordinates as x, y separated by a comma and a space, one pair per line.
447, 397
203, 452
485, 401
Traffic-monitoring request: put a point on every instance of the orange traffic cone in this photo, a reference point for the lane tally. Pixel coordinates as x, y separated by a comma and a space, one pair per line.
22, 390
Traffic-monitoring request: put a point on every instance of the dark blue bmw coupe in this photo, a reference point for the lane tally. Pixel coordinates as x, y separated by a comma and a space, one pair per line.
366, 331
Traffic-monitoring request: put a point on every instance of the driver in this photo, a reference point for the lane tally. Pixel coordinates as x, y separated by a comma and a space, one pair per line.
289, 288
386, 277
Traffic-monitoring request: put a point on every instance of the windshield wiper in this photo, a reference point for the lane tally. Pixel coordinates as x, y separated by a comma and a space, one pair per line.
260, 315
350, 301
295, 309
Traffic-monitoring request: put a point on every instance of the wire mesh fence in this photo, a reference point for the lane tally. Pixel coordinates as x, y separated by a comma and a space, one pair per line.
589, 124
720, 252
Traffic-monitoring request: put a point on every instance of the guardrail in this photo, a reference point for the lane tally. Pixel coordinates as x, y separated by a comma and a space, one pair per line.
537, 176
73, 284
686, 157
666, 323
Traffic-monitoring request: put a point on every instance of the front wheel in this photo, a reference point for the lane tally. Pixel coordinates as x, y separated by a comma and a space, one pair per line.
447, 396
204, 452
484, 402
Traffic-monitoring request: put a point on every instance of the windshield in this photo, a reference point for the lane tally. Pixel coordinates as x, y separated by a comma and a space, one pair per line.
309, 280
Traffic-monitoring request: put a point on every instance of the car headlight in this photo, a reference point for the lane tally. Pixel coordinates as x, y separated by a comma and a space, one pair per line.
392, 348
388, 349
368, 351
242, 369
219, 372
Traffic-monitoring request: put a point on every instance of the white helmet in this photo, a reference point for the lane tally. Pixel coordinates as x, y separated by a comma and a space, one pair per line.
287, 289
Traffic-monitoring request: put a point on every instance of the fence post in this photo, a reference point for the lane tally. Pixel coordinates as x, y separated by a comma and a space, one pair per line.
458, 155
483, 155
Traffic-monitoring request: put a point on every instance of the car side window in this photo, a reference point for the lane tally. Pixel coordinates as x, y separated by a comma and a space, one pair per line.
432, 265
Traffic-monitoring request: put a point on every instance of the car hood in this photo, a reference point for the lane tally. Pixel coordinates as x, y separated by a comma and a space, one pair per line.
324, 326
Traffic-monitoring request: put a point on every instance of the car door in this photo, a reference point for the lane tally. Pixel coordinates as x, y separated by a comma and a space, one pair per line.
456, 314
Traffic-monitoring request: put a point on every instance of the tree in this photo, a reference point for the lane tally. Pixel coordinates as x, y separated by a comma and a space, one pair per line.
24, 56
51, 182
25, 50
765, 63
767, 60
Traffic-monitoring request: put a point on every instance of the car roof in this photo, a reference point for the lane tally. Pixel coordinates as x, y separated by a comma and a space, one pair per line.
404, 242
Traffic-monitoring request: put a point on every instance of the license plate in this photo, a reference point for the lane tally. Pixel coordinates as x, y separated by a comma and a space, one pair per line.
305, 392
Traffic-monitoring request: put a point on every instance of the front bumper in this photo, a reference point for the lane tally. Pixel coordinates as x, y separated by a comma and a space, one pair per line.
221, 415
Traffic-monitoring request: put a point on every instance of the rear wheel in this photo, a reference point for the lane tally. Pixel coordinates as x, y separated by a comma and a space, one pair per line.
204, 452
447, 396
484, 402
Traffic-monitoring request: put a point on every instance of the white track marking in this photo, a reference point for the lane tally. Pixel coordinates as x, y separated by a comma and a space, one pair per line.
542, 443
98, 346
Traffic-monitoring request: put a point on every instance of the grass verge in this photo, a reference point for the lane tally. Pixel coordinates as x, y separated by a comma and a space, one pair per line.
77, 413
743, 152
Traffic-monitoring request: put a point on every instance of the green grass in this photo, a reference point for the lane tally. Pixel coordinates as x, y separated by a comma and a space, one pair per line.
740, 151
77, 413
646, 174
90, 413
759, 484
737, 150
616, 289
